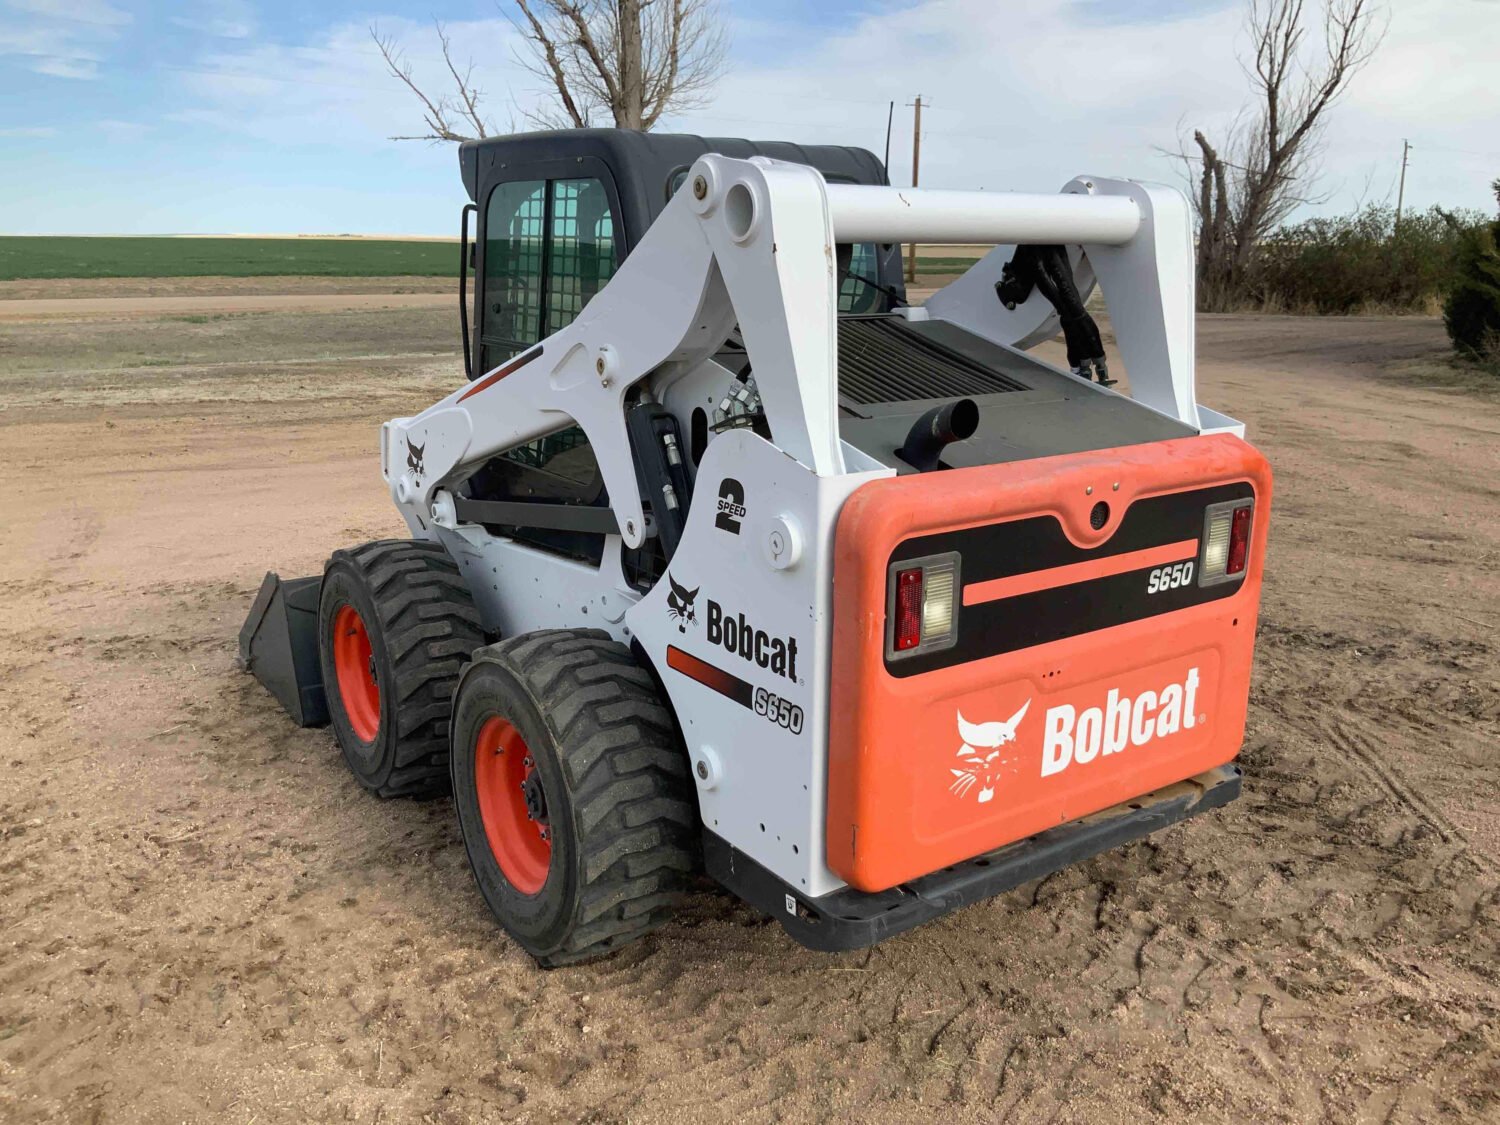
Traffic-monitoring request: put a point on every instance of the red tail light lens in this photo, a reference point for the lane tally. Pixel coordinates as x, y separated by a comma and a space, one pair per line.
1239, 541
908, 633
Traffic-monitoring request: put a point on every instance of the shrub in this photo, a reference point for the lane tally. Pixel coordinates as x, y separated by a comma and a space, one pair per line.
1359, 262
1472, 311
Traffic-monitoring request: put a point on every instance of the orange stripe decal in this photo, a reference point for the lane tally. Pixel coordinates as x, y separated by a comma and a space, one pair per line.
495, 376
976, 593
725, 683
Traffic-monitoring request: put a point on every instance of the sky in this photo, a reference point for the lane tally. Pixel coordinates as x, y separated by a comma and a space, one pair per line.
269, 116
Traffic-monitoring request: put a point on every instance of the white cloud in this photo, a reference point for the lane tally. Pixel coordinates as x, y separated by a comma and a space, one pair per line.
98, 12
223, 19
1023, 95
1026, 94
1433, 83
336, 90
41, 40
29, 131
62, 38
1020, 96
85, 69
122, 130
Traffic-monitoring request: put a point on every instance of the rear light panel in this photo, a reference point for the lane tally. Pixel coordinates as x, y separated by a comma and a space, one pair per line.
1226, 542
922, 599
1239, 540
908, 616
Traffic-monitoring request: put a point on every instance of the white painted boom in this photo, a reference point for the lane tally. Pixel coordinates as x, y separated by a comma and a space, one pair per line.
887, 214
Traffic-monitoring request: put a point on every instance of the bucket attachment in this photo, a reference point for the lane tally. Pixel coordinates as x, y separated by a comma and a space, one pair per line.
279, 646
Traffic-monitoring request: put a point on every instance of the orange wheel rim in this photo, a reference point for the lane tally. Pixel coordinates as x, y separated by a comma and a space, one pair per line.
512, 805
354, 664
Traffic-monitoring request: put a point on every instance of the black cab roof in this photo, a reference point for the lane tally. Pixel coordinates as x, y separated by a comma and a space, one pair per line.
643, 165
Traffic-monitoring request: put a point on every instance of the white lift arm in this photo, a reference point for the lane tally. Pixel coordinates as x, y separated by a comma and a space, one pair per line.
877, 214
751, 242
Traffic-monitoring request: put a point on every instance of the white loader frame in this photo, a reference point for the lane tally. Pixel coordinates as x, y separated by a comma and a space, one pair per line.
752, 243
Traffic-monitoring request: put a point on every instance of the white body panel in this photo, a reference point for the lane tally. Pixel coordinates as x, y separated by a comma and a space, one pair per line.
765, 792
519, 589
752, 243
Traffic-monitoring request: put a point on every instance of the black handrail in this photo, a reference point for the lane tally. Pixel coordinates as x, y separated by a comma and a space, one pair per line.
463, 286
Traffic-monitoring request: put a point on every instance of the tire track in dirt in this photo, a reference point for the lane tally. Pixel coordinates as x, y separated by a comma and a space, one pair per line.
1354, 743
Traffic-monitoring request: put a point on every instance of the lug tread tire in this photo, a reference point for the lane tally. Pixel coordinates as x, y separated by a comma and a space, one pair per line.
430, 628
634, 805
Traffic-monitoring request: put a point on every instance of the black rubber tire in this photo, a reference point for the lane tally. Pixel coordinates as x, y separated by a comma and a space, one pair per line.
620, 801
423, 628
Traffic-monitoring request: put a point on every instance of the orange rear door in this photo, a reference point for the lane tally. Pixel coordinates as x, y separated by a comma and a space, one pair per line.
1091, 662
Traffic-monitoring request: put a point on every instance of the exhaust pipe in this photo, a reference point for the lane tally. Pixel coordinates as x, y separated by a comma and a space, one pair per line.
931, 433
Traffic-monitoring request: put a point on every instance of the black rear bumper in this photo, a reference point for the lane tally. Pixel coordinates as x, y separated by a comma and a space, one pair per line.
851, 919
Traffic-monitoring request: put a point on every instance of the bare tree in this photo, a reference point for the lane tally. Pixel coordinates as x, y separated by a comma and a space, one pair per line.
444, 115
619, 62
624, 62
1264, 166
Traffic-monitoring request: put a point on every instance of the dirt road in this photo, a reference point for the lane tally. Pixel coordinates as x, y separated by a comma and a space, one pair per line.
203, 919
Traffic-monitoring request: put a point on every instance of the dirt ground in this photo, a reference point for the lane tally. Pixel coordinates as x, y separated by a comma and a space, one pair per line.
202, 918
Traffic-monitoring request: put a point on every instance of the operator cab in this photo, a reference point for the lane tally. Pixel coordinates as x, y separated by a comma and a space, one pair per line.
558, 212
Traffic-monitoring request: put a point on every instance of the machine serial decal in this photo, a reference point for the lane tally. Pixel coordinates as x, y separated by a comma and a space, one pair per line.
770, 706
731, 506
1027, 584
1071, 736
1170, 577
680, 603
414, 459
780, 710
978, 737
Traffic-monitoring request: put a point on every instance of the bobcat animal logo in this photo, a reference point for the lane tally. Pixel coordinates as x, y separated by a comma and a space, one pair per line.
978, 738
680, 604
414, 458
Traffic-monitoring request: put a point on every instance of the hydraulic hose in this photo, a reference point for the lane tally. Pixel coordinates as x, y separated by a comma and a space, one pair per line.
1047, 268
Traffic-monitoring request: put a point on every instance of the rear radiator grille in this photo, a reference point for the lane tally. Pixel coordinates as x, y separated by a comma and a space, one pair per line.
883, 360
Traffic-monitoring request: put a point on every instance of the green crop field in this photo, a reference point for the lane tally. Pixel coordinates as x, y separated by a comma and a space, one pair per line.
67, 257
49, 257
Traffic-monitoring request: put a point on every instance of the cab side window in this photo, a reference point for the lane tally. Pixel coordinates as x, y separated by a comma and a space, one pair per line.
512, 313
549, 247
859, 291
580, 248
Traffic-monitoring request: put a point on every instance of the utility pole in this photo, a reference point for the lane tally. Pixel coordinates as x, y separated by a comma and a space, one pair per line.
916, 164
1401, 191
890, 117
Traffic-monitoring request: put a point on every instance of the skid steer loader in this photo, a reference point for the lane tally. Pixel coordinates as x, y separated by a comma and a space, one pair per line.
727, 557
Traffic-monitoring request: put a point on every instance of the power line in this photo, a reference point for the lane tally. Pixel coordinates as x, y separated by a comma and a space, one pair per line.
1463, 151
752, 120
